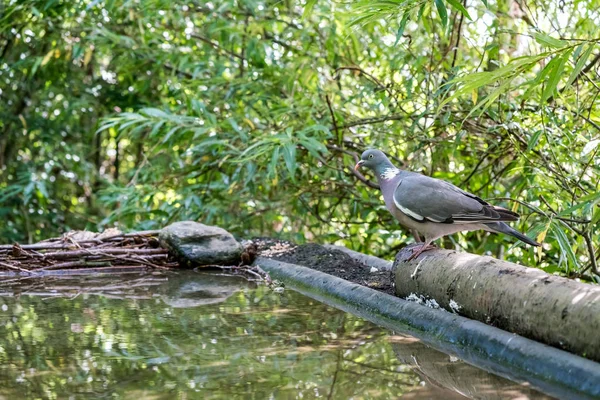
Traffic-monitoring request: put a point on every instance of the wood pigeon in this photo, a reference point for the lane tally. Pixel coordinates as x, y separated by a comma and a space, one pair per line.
433, 207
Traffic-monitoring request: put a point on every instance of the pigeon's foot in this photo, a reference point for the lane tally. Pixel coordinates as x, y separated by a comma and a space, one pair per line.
417, 250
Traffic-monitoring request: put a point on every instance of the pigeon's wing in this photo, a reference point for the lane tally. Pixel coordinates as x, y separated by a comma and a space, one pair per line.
427, 199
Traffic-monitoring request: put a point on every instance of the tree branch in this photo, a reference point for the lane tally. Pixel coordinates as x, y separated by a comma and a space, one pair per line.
354, 172
216, 46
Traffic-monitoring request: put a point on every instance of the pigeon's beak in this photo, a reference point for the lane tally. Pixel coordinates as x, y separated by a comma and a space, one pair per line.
358, 164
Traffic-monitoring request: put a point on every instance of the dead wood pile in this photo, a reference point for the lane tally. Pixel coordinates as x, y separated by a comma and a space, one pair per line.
86, 252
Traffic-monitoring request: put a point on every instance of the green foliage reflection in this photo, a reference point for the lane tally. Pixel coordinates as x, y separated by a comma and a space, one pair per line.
253, 345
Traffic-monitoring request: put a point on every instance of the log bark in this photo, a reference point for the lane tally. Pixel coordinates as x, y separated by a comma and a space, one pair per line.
553, 310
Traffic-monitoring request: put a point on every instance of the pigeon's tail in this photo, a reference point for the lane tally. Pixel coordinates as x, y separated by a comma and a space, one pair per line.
501, 227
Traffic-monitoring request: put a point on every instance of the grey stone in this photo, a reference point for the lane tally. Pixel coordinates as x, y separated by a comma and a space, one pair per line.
197, 244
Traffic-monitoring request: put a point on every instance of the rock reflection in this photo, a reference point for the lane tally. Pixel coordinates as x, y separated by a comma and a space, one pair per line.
185, 291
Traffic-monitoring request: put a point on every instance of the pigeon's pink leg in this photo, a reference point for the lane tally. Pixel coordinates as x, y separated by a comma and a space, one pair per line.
426, 246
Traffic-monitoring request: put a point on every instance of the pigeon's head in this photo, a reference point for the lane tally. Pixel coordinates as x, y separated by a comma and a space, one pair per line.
373, 159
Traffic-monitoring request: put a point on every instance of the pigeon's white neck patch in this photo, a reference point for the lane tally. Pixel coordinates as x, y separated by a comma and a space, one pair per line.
389, 173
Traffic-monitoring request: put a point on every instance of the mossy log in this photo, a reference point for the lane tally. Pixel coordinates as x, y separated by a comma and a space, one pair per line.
557, 311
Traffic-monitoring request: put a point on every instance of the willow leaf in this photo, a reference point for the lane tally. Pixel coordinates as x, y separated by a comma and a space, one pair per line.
564, 243
579, 66
458, 5
548, 41
555, 74
443, 13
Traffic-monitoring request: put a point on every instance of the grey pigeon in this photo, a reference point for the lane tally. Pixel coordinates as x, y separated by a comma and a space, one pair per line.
433, 207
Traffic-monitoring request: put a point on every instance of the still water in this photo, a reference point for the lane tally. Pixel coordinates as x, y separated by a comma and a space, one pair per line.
207, 336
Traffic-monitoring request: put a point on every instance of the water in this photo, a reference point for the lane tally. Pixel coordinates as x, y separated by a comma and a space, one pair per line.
201, 336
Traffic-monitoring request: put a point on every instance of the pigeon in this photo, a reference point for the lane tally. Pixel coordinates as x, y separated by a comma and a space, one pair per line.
433, 207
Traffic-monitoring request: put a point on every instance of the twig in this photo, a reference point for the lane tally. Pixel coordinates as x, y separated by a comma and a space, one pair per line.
137, 249
216, 46
354, 172
178, 71
333, 120
538, 211
458, 35
590, 246
375, 120
13, 267
105, 252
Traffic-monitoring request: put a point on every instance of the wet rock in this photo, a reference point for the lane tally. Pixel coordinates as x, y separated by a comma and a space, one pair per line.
197, 244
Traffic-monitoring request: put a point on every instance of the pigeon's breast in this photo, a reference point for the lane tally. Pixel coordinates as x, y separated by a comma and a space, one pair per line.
388, 188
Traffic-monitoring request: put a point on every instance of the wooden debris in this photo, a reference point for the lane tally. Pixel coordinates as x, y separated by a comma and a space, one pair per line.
86, 252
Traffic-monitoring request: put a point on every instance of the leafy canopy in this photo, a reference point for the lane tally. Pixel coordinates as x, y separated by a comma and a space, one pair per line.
249, 114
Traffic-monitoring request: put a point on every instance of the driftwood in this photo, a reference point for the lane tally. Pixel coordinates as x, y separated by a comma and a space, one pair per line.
550, 309
86, 252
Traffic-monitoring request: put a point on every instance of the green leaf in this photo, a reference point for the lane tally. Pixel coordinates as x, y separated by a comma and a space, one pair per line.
564, 243
458, 5
154, 112
548, 41
272, 168
289, 156
579, 66
596, 216
555, 74
156, 128
401, 27
505, 74
589, 147
170, 133
586, 201
36, 65
422, 10
310, 4
443, 13
533, 140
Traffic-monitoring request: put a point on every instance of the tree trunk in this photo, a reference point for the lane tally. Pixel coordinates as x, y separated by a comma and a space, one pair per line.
547, 308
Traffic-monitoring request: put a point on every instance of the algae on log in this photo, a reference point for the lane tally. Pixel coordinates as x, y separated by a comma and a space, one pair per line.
527, 301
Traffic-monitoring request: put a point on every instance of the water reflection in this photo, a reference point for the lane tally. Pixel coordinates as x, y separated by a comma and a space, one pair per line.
203, 289
445, 371
198, 336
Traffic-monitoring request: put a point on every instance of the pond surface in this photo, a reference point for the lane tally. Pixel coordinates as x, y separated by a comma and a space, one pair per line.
203, 336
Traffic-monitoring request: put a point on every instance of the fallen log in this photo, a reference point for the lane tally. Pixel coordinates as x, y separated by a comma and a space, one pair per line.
552, 371
557, 311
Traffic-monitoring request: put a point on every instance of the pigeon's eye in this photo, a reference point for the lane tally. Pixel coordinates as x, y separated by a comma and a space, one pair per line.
370, 155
